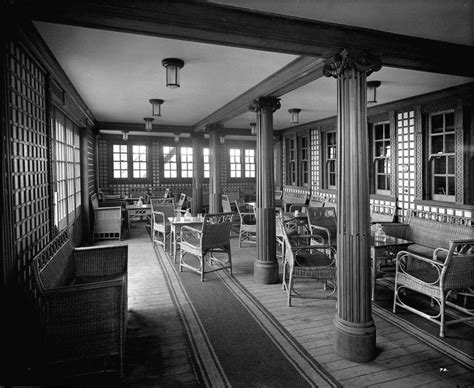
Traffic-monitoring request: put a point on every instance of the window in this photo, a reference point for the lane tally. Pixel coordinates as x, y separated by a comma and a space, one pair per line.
381, 153
177, 162
139, 157
242, 163
235, 164
130, 162
442, 156
186, 162
249, 163
207, 164
68, 170
298, 159
119, 157
329, 154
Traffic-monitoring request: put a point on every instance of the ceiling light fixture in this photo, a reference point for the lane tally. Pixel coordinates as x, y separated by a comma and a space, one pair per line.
372, 91
176, 137
156, 106
222, 139
253, 128
172, 66
294, 118
125, 135
148, 121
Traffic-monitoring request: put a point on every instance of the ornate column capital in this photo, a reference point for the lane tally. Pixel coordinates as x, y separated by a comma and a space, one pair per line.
271, 103
362, 61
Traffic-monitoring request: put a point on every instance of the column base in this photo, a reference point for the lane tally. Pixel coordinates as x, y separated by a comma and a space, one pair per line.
354, 341
265, 272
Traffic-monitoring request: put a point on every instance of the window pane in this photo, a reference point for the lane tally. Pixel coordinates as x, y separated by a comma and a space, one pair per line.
449, 143
449, 121
451, 190
381, 182
440, 185
451, 164
439, 165
436, 144
437, 123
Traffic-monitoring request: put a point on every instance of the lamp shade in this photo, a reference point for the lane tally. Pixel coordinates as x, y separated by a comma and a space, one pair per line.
156, 106
294, 112
253, 128
148, 125
372, 91
173, 66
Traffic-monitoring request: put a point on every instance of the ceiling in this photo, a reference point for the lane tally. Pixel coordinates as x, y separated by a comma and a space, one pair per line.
117, 73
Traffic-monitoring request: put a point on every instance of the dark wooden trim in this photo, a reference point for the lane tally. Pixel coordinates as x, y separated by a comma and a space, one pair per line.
231, 26
292, 76
33, 42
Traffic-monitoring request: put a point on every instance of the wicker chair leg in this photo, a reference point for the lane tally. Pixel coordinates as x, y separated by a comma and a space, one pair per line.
290, 287
203, 266
441, 309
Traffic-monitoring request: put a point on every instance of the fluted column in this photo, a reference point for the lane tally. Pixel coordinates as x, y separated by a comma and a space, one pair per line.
198, 173
354, 326
215, 169
266, 265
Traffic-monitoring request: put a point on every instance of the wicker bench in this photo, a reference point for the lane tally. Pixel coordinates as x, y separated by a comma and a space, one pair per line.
439, 264
107, 220
81, 296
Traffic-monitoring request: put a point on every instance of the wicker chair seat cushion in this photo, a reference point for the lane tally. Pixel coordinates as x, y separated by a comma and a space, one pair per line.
425, 251
307, 259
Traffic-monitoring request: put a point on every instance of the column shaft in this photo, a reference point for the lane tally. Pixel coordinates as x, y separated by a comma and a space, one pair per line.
354, 326
215, 173
198, 174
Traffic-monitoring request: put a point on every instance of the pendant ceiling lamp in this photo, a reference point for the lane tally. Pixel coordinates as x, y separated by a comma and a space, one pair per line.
253, 128
156, 106
125, 135
294, 112
372, 91
173, 66
148, 121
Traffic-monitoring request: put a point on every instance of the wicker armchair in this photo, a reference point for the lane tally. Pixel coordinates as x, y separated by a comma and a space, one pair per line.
204, 244
160, 225
317, 262
248, 225
107, 221
227, 208
322, 222
82, 304
438, 280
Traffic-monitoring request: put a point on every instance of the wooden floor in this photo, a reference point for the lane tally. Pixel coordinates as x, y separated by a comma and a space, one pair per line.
403, 360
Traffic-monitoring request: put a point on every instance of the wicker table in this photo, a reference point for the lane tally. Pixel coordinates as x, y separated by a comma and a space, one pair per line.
177, 223
381, 251
137, 212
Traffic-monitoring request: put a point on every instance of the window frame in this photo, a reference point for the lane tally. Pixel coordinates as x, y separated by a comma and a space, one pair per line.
298, 159
130, 179
325, 160
433, 157
179, 163
242, 163
375, 158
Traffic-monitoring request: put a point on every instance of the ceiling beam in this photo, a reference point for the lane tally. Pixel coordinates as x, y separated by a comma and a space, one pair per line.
238, 27
169, 129
290, 77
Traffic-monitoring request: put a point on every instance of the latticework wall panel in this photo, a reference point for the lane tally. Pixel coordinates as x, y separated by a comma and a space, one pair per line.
30, 152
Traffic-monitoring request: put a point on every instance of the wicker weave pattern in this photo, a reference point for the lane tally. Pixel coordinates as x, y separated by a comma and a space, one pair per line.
82, 300
316, 262
248, 227
204, 244
161, 227
437, 279
107, 221
322, 221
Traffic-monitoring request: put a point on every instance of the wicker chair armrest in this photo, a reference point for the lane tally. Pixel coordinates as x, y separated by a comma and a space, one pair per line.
306, 237
190, 234
107, 208
436, 254
161, 215
403, 265
321, 229
463, 246
101, 260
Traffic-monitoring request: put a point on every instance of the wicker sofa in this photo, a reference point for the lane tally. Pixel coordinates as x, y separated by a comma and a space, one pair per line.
81, 296
294, 197
439, 264
107, 220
